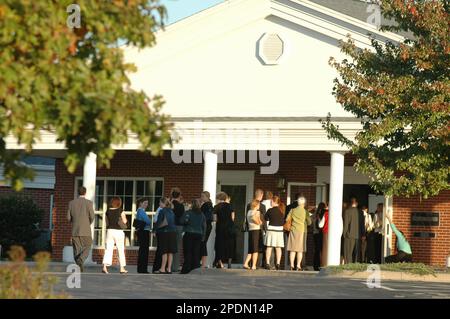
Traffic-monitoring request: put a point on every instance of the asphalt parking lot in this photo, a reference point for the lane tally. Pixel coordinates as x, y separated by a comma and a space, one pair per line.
235, 284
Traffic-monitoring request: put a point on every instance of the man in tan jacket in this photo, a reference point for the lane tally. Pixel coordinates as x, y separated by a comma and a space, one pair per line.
81, 215
351, 231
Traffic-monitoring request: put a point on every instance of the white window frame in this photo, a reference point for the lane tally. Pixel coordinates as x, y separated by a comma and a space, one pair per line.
321, 191
132, 213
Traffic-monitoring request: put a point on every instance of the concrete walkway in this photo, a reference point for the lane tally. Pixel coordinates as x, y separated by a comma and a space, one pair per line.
61, 267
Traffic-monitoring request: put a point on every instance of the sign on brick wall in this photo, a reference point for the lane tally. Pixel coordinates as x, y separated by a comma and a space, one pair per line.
424, 234
424, 219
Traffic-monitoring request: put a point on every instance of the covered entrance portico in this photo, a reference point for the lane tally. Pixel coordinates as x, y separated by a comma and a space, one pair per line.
335, 205
240, 184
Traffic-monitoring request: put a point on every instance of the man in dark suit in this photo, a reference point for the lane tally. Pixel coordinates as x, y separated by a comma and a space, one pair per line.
362, 242
81, 215
351, 231
178, 210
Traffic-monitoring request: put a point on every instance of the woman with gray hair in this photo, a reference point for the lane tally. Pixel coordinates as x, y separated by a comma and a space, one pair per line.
297, 218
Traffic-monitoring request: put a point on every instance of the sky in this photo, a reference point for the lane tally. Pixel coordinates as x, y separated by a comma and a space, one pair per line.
179, 9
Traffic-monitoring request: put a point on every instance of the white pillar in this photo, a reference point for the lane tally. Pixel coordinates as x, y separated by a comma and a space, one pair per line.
210, 185
210, 174
335, 209
90, 175
89, 181
387, 233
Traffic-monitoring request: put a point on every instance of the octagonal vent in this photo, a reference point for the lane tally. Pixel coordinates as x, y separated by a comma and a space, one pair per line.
270, 48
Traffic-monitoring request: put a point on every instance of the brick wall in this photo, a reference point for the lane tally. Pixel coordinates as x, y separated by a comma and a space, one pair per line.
294, 167
40, 196
433, 251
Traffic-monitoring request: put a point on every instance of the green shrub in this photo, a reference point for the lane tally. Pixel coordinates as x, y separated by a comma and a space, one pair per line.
17, 281
18, 219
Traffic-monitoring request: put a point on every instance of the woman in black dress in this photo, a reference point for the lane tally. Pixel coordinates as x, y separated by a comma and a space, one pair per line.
225, 230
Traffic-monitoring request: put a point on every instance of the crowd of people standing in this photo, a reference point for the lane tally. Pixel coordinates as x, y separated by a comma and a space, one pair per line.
271, 226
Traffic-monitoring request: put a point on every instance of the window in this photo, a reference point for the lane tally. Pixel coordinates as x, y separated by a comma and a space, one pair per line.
129, 190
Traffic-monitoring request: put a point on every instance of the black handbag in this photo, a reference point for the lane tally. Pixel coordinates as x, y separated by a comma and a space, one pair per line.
139, 224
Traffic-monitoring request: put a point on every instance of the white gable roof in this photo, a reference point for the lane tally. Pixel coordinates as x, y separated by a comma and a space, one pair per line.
207, 65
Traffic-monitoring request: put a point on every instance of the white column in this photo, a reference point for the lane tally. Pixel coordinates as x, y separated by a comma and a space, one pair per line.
335, 209
210, 185
89, 181
90, 175
387, 233
210, 174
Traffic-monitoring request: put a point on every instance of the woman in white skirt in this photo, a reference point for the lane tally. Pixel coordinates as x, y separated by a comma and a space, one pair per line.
115, 222
299, 219
274, 235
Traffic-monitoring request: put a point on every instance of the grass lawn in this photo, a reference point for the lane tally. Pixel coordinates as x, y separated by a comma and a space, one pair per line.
411, 268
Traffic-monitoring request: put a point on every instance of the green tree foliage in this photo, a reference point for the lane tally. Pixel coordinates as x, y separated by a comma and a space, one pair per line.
73, 81
18, 219
400, 92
